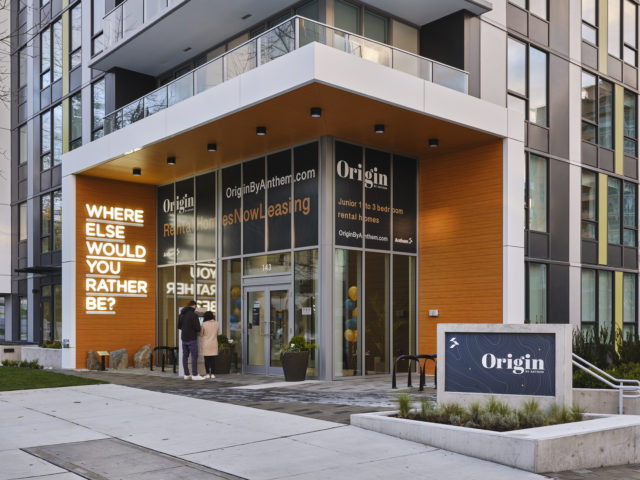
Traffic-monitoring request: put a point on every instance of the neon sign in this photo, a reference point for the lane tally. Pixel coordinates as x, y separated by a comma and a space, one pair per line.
108, 254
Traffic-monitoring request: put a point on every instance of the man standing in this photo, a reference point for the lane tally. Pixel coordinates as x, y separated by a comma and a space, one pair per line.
189, 324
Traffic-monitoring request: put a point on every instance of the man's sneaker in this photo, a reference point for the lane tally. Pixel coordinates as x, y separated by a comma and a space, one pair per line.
197, 377
187, 377
212, 376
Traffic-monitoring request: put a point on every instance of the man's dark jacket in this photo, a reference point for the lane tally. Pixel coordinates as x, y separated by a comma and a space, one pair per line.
187, 323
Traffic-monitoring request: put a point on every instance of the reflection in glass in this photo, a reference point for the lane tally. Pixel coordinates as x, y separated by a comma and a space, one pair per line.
630, 214
629, 300
588, 198
630, 122
23, 319
346, 16
588, 96
613, 17
166, 308
240, 60
306, 294
589, 33
185, 286
279, 326
57, 135
517, 104
605, 101
517, 66
538, 7
605, 300
268, 264
537, 190
376, 310
630, 15
375, 26
613, 210
537, 297
277, 42
347, 358
404, 307
231, 279
255, 328
589, 11
537, 87
46, 312
57, 312
588, 300
206, 286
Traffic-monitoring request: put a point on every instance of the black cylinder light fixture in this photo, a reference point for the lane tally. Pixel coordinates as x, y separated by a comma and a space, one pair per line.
378, 128
433, 142
171, 160
137, 172
212, 147
316, 112
261, 131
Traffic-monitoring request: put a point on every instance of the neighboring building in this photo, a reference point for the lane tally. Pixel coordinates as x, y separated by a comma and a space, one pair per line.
353, 172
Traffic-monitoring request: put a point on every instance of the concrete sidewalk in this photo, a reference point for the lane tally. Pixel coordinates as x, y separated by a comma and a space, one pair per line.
183, 434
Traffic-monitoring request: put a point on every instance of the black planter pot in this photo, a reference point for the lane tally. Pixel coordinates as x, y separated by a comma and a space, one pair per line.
223, 361
294, 365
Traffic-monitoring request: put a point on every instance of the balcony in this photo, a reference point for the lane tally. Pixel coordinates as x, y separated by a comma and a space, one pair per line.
284, 38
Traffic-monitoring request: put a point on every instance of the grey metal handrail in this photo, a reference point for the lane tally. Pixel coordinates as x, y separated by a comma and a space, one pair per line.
621, 384
279, 40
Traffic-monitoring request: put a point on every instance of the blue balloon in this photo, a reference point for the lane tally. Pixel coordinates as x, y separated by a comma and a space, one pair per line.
233, 318
239, 303
352, 323
349, 304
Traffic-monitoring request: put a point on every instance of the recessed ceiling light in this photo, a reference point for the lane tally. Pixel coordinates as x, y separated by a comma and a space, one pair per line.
171, 160
137, 172
261, 131
244, 17
212, 147
186, 49
378, 128
433, 142
316, 112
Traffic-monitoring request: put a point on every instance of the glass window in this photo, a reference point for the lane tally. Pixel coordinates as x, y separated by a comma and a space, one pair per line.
306, 298
588, 301
589, 21
539, 8
538, 87
23, 145
24, 318
629, 301
404, 306
589, 107
57, 220
613, 210
166, 307
57, 312
537, 293
376, 308
517, 66
232, 304
57, 51
206, 286
605, 301
22, 222
267, 264
22, 67
630, 122
375, 27
588, 200
45, 58
57, 135
309, 10
346, 16
605, 114
537, 192
76, 36
45, 223
2, 318
629, 210
76, 122
97, 107
347, 344
96, 26
630, 31
613, 17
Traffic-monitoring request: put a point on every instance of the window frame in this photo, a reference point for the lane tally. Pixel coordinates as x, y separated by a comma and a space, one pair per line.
627, 140
23, 222
595, 28
528, 194
590, 221
527, 287
52, 240
97, 131
597, 323
75, 142
596, 124
96, 35
624, 46
77, 52
527, 7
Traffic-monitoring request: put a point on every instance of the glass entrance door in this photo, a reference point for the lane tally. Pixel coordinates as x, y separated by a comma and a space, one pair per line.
267, 327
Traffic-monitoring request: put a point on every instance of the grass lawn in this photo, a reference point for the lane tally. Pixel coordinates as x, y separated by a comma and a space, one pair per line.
16, 378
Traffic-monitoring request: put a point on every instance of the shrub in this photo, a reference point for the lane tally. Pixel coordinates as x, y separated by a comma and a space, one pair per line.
51, 344
223, 342
582, 379
34, 364
404, 406
298, 344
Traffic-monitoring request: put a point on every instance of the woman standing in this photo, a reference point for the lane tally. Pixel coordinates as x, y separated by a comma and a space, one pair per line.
209, 333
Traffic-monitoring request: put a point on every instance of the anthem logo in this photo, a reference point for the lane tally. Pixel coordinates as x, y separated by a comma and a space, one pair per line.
372, 178
454, 343
518, 366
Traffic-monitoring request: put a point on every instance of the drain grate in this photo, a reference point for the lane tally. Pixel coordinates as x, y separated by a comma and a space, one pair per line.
113, 459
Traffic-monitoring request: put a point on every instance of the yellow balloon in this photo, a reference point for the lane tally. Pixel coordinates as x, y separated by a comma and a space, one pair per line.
237, 312
351, 336
235, 292
354, 313
353, 293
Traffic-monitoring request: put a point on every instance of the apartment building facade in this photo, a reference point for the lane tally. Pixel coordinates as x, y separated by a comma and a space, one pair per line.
352, 172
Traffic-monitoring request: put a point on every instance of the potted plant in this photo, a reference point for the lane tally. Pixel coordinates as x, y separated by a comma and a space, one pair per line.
225, 350
295, 358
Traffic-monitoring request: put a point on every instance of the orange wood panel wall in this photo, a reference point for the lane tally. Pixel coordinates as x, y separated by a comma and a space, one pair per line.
460, 225
134, 323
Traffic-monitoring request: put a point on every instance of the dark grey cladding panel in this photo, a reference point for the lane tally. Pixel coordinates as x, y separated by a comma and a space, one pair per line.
559, 106
589, 252
75, 78
630, 76
537, 137
614, 67
606, 159
558, 293
630, 166
538, 30
614, 255
630, 257
56, 175
56, 91
559, 214
590, 55
589, 154
472, 54
559, 26
538, 245
45, 180
517, 19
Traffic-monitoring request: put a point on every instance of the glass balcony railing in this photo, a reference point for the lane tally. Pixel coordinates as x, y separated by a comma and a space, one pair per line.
129, 16
291, 34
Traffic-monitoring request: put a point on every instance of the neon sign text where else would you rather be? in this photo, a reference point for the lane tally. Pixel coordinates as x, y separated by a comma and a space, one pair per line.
109, 255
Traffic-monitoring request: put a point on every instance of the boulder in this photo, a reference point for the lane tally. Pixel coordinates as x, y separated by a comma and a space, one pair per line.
93, 361
119, 359
142, 357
